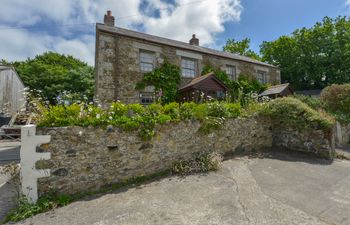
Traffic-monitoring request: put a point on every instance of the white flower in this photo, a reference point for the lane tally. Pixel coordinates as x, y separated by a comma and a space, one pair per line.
98, 116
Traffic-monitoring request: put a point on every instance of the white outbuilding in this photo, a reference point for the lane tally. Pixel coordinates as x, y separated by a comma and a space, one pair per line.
11, 91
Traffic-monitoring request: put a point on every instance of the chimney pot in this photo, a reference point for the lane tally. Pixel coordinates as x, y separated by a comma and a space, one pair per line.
194, 40
109, 19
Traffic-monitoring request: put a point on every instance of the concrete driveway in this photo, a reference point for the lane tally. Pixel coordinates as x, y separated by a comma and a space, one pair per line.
278, 189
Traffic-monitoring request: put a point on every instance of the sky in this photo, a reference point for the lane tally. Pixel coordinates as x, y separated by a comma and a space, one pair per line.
31, 27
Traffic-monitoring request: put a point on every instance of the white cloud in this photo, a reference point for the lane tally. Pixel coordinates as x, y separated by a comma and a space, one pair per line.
21, 44
179, 21
203, 18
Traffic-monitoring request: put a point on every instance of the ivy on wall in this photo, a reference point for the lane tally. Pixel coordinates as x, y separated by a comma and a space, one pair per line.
165, 80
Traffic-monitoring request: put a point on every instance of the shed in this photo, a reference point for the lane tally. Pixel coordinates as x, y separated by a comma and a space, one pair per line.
277, 91
11, 91
203, 87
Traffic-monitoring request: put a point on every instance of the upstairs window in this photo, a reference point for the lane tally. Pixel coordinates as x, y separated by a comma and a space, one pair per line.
188, 67
147, 60
231, 72
262, 77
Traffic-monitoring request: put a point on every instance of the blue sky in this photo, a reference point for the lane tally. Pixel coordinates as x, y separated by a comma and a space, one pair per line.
266, 20
30, 27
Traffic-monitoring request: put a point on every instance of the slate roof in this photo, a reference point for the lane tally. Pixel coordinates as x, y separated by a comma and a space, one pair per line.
178, 44
199, 79
316, 92
277, 89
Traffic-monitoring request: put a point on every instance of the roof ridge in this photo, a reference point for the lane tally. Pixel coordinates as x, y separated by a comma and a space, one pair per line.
185, 45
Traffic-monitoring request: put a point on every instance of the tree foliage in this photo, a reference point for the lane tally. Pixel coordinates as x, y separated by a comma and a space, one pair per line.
336, 100
313, 58
240, 47
165, 80
54, 74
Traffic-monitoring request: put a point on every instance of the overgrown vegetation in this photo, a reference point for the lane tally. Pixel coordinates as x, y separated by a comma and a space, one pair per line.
201, 163
336, 100
314, 103
294, 113
135, 117
165, 80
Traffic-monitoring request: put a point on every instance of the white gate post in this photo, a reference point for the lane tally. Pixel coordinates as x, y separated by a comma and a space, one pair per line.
29, 156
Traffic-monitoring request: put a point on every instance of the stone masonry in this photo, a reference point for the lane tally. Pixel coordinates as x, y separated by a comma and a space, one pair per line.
118, 60
87, 159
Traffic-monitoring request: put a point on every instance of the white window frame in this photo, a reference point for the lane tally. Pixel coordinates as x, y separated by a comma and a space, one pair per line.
147, 60
146, 98
231, 71
262, 76
187, 70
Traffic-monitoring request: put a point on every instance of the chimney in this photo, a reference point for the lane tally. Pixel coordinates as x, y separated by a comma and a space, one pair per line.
109, 19
194, 40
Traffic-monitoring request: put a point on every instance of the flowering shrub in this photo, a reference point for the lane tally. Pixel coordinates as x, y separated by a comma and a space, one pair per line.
134, 117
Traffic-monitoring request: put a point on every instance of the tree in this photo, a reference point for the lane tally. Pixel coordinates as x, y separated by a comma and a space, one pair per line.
54, 74
313, 58
240, 47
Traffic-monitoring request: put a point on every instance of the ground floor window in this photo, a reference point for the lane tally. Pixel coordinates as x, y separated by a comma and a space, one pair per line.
146, 98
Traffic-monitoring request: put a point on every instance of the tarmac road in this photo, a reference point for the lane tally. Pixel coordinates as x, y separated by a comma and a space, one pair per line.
278, 189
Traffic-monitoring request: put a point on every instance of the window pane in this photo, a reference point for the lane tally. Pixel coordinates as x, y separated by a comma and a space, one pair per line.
146, 98
262, 77
231, 72
147, 61
188, 67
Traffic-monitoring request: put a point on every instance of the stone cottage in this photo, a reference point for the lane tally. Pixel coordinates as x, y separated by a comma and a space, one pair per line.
123, 56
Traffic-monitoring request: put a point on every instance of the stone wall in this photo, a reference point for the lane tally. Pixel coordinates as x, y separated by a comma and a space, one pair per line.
86, 159
318, 142
118, 70
342, 135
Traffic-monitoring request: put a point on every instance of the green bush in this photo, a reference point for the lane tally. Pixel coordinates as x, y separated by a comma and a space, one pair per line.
336, 100
186, 110
172, 109
295, 113
137, 117
233, 110
118, 109
135, 109
314, 103
217, 109
200, 112
60, 115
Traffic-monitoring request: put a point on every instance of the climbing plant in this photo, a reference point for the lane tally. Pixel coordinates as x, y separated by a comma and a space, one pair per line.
165, 80
237, 89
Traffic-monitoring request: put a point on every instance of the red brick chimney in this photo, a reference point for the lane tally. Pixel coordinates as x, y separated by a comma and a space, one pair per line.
109, 19
194, 40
